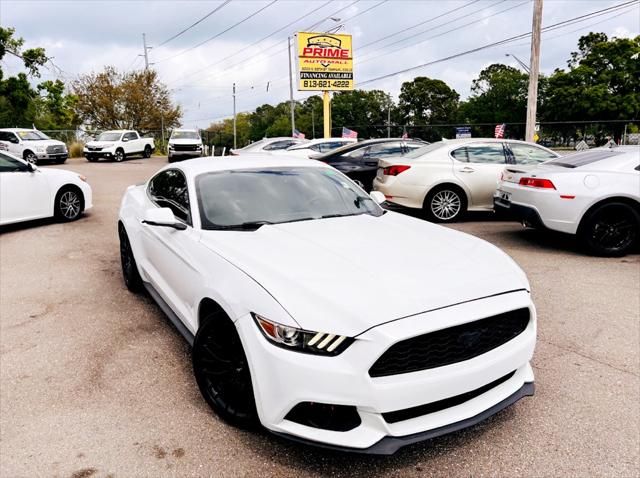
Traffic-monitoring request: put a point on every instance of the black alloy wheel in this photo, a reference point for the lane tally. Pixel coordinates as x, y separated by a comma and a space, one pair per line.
69, 204
119, 155
222, 371
147, 151
610, 230
130, 273
31, 157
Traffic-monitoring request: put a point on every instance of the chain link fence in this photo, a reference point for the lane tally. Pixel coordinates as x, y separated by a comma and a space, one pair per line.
556, 135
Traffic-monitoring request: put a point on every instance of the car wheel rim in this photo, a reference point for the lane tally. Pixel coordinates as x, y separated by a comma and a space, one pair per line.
446, 205
70, 205
614, 232
222, 369
118, 156
32, 158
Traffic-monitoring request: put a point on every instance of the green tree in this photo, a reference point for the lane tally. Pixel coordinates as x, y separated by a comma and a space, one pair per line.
498, 95
602, 83
114, 100
364, 111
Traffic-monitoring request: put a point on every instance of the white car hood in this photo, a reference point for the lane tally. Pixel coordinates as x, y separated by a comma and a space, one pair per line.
345, 275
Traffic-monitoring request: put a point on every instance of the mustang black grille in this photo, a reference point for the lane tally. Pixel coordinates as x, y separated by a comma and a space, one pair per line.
452, 345
420, 410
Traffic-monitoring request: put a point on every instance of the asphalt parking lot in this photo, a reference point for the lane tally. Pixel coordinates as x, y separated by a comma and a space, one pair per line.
94, 381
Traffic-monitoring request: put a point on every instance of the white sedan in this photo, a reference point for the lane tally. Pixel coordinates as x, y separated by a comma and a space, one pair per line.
317, 314
448, 178
28, 192
267, 145
594, 194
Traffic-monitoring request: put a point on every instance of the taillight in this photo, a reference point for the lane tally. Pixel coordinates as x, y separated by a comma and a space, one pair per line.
537, 183
395, 169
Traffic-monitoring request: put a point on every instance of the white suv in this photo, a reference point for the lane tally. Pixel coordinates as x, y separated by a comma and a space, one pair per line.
32, 145
184, 143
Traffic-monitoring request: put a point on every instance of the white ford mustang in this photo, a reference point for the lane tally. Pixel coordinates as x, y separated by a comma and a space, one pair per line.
594, 194
317, 314
28, 192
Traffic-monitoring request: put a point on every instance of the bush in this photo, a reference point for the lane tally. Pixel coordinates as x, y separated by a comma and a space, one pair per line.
75, 149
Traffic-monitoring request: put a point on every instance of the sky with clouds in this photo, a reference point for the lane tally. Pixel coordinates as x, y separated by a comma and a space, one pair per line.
245, 41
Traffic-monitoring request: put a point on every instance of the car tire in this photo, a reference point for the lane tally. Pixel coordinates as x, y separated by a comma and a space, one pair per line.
92, 159
61, 160
69, 204
147, 152
222, 371
171, 159
30, 156
610, 229
119, 155
444, 204
130, 273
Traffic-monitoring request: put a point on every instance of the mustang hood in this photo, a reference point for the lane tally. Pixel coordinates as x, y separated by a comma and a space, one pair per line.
345, 275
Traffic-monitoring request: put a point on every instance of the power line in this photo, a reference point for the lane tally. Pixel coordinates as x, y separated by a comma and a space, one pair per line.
502, 42
221, 33
261, 40
219, 7
218, 74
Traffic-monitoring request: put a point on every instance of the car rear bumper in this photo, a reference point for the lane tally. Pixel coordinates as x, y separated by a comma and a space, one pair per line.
283, 379
525, 214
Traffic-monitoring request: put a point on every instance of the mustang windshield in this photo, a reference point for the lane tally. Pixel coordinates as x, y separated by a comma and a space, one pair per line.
249, 198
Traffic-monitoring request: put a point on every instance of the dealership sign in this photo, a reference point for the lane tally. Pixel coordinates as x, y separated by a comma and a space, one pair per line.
325, 62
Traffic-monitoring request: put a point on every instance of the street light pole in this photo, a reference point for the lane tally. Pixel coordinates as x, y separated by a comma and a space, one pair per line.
235, 143
291, 102
532, 99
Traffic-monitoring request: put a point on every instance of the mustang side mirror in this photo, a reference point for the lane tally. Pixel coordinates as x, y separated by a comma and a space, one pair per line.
378, 197
163, 217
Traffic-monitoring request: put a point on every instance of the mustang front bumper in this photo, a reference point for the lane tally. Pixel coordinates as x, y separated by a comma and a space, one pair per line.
283, 379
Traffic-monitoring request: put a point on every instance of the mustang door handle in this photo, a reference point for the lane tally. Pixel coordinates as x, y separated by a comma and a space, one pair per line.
466, 170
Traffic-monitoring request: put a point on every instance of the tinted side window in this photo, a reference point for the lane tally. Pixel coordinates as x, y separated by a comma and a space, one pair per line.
460, 154
130, 136
169, 189
486, 153
279, 145
385, 149
529, 154
8, 136
9, 165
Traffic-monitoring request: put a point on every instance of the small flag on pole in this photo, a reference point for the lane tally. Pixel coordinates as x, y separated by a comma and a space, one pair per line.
349, 133
297, 134
405, 135
499, 131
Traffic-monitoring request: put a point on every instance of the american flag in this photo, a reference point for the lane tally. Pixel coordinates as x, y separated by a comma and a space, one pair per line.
499, 132
405, 135
349, 133
298, 134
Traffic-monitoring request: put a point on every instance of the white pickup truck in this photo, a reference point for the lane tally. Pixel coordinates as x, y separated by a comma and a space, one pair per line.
32, 145
118, 145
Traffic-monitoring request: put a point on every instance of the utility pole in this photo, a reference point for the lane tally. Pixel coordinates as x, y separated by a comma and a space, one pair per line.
389, 122
532, 99
292, 103
235, 143
313, 122
146, 50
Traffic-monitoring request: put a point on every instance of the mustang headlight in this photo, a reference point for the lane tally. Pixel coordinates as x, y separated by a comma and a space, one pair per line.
306, 341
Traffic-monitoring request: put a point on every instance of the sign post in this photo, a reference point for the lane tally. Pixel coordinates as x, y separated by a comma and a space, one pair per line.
325, 63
